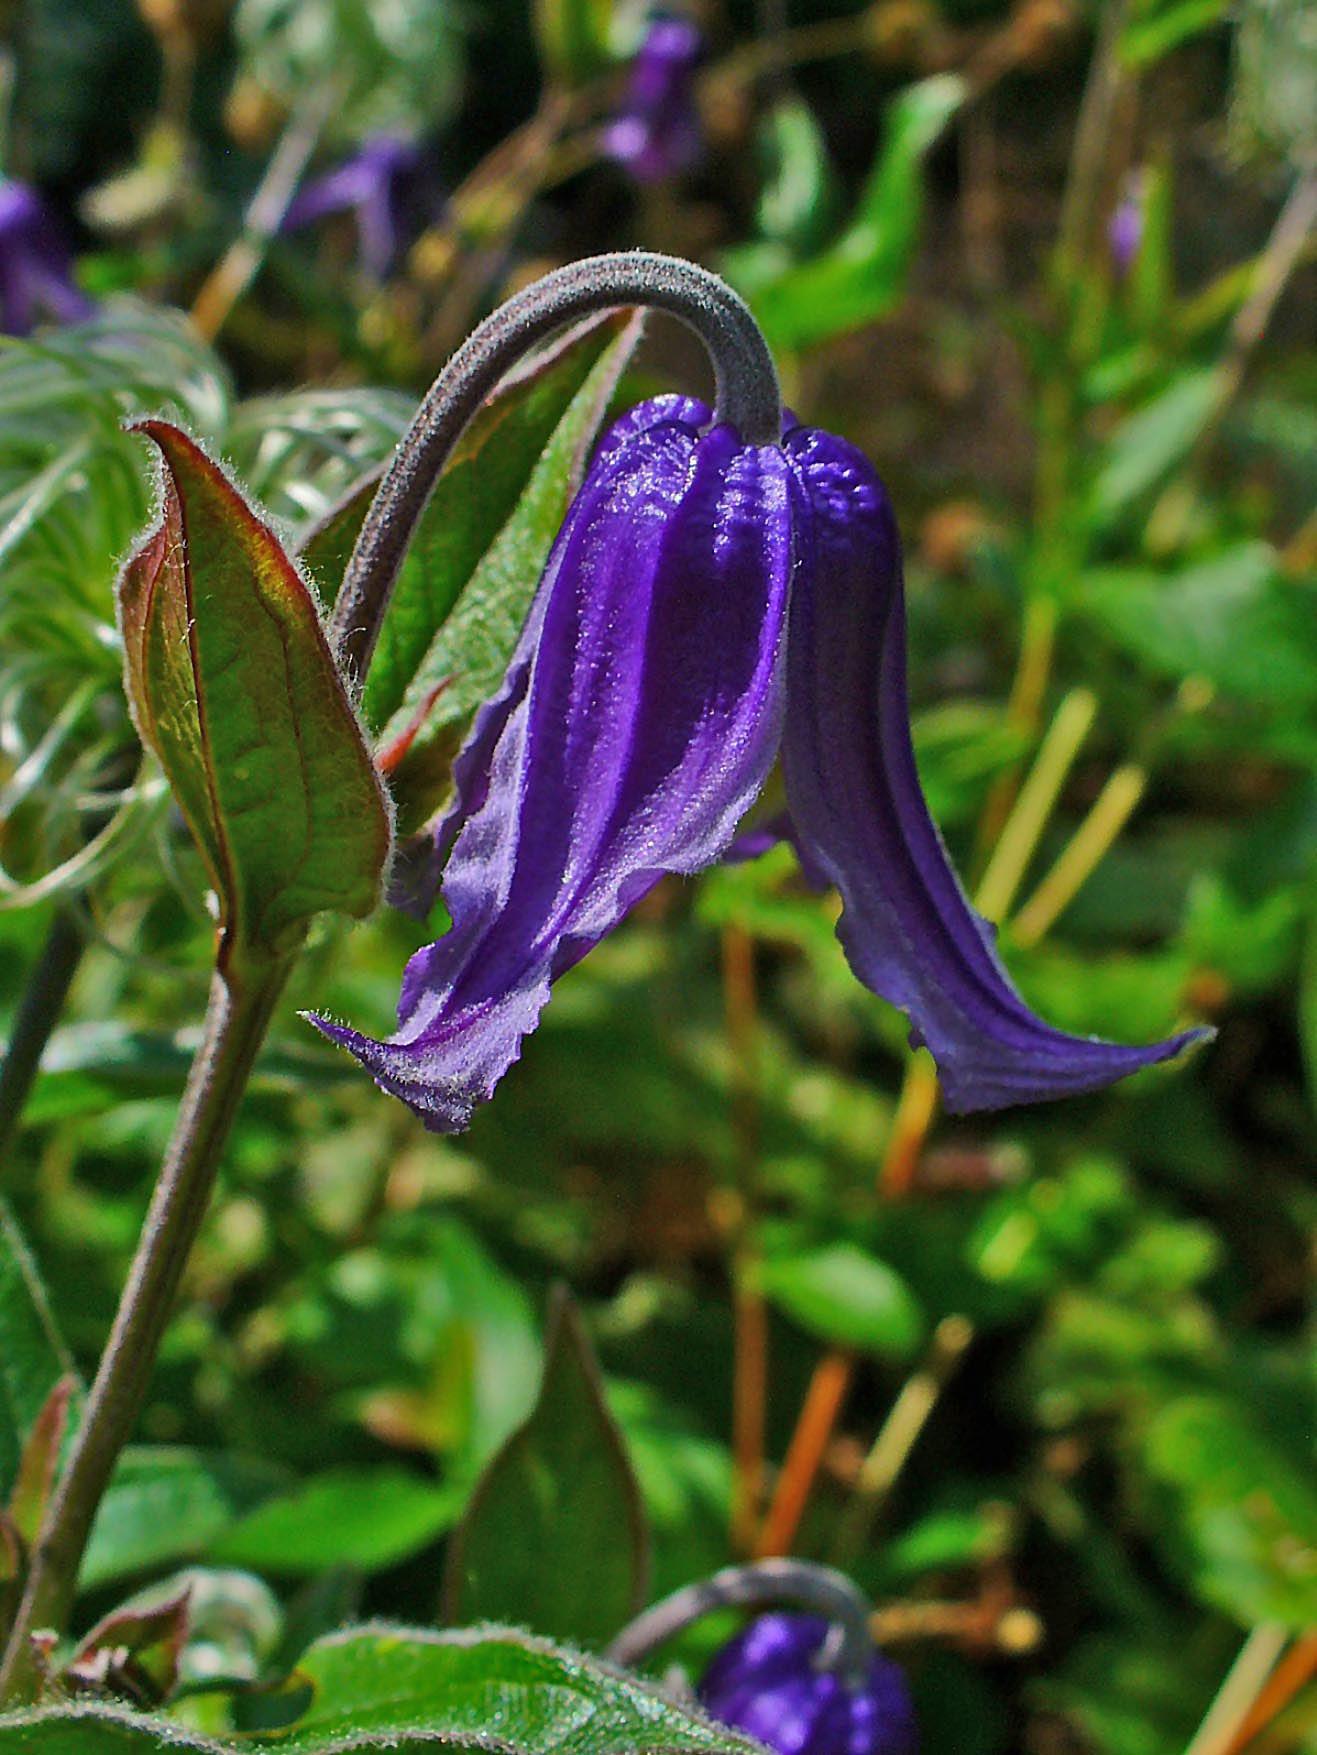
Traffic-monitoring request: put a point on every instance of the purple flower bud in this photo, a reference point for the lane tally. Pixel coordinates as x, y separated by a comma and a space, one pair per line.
657, 132
768, 1681
1125, 228
708, 603
36, 270
376, 185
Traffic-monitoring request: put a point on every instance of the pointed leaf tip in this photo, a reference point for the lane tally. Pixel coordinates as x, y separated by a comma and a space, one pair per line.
234, 688
562, 1486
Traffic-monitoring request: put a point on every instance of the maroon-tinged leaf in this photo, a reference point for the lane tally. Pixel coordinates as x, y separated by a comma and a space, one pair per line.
133, 1652
39, 1461
234, 688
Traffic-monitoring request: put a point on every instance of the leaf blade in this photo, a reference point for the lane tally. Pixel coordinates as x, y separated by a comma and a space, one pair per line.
562, 1485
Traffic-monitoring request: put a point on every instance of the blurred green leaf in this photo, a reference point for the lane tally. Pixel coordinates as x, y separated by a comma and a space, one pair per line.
1148, 445
1231, 619
234, 688
846, 1297
1158, 26
33, 1358
364, 1518
389, 68
1245, 1514
862, 275
167, 1504
575, 38
685, 1480
391, 1681
562, 1487
88, 1065
799, 194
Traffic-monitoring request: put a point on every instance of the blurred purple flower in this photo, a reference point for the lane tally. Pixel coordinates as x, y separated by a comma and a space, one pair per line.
656, 134
36, 269
769, 1683
376, 185
644, 707
1125, 227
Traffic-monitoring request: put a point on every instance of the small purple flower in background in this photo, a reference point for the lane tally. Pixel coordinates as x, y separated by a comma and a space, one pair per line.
1125, 227
376, 185
769, 1683
656, 135
36, 269
707, 604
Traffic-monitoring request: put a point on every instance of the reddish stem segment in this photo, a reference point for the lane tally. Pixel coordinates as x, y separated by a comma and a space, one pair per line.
818, 1420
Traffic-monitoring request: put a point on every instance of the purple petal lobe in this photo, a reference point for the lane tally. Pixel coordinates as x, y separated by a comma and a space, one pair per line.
472, 765
767, 1681
856, 802
641, 715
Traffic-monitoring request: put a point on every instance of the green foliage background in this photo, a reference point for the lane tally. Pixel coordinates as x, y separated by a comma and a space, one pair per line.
1088, 470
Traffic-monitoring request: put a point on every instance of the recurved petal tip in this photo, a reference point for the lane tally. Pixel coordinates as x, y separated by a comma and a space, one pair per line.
855, 798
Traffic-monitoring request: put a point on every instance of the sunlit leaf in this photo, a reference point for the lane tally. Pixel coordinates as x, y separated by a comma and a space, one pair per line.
234, 688
391, 1681
861, 276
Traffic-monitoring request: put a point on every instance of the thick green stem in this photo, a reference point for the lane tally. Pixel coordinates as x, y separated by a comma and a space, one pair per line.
38, 1013
242, 999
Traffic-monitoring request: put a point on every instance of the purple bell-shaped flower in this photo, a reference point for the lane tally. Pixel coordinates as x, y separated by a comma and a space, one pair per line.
709, 604
725, 589
375, 185
769, 1682
656, 134
36, 270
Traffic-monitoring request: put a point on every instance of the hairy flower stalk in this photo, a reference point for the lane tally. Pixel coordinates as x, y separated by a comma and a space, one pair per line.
726, 588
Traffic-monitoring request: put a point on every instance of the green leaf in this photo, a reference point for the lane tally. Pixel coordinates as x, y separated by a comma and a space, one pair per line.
799, 191
472, 501
167, 1504
1155, 29
574, 38
396, 1681
1148, 445
326, 548
846, 1297
862, 276
90, 1065
1246, 1515
32, 1356
475, 611
1231, 619
560, 1490
234, 688
361, 1518
98, 1730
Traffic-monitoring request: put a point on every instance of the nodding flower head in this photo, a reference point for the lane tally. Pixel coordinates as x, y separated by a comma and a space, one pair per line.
709, 604
36, 270
656, 134
376, 185
769, 1681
